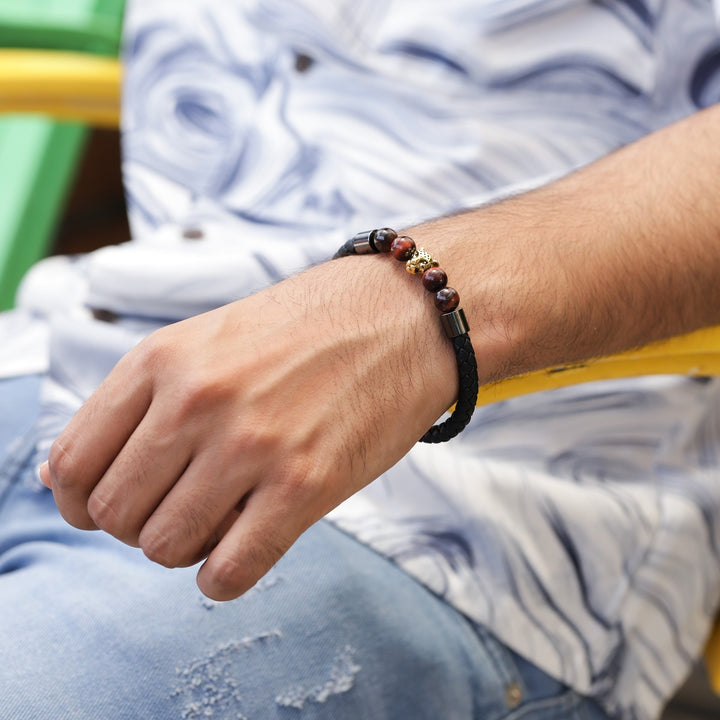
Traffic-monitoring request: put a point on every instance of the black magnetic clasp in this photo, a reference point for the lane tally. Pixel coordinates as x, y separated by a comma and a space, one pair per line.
364, 242
454, 323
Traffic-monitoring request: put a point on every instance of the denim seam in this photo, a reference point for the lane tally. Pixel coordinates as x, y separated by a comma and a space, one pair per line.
504, 667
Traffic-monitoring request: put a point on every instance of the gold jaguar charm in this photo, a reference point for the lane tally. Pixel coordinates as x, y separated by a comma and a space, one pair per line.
420, 261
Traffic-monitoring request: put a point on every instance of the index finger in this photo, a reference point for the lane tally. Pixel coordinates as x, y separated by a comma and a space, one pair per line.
92, 439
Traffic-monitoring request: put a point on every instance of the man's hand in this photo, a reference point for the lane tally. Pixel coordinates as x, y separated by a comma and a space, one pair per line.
225, 436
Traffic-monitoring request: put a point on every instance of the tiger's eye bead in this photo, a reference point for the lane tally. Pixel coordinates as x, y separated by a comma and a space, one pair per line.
384, 238
434, 279
447, 299
402, 248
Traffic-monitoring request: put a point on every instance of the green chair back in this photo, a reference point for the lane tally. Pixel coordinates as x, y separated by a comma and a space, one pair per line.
38, 156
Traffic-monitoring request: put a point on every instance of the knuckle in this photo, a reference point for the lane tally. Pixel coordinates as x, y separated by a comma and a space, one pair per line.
179, 537
151, 353
189, 399
199, 392
159, 547
104, 515
61, 464
297, 480
246, 435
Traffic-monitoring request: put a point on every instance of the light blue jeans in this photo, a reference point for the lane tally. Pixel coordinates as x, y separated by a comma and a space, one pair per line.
93, 630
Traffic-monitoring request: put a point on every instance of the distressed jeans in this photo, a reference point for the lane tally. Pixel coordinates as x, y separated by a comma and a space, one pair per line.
92, 630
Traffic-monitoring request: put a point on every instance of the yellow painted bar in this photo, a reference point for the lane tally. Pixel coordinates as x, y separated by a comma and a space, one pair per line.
64, 85
697, 353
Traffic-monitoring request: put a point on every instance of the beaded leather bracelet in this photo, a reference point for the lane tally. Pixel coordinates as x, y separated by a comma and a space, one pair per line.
447, 300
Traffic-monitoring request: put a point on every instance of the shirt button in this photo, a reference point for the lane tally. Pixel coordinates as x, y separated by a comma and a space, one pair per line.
103, 315
303, 62
193, 233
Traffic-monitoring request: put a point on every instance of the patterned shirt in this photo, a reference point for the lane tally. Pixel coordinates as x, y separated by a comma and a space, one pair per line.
580, 525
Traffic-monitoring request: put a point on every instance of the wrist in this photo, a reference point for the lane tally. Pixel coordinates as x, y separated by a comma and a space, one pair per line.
419, 262
508, 287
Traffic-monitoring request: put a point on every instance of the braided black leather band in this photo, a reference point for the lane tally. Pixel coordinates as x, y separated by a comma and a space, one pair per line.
457, 329
467, 394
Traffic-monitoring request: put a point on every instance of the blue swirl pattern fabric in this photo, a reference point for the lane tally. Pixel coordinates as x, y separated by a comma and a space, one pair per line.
580, 526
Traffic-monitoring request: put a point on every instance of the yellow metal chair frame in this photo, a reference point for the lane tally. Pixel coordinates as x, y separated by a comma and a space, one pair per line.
86, 88
65, 85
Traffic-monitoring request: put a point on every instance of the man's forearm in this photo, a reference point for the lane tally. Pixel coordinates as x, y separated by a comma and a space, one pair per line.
620, 253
